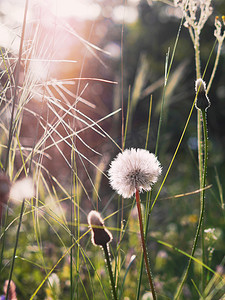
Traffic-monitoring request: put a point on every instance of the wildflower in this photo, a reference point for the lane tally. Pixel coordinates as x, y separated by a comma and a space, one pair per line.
212, 234
100, 235
202, 101
219, 33
134, 169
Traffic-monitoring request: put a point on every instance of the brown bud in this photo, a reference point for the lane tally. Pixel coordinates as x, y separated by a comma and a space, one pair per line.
202, 101
100, 235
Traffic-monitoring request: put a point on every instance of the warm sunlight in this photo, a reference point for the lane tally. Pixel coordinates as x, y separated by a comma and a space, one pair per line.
82, 10
112, 149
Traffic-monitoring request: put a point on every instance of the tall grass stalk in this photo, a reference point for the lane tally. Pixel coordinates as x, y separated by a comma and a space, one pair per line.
200, 227
149, 206
15, 95
205, 133
195, 27
109, 267
15, 248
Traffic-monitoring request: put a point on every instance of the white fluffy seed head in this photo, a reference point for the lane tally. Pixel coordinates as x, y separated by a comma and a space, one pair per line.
134, 169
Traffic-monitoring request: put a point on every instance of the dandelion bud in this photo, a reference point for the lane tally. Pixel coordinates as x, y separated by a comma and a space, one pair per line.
100, 235
202, 101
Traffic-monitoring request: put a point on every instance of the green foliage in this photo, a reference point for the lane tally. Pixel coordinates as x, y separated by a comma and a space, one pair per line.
58, 129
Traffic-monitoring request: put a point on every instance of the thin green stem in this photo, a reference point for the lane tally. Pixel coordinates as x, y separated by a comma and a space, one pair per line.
215, 66
197, 54
179, 290
149, 119
71, 251
203, 190
202, 209
162, 105
15, 248
108, 262
3, 234
147, 264
167, 73
199, 134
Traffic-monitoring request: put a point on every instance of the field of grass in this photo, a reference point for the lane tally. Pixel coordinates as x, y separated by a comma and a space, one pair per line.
75, 92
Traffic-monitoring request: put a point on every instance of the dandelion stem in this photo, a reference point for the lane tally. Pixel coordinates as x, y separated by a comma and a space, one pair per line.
108, 262
15, 248
147, 264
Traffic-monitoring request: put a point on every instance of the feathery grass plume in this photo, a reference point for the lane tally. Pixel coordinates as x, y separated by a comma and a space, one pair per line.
134, 169
100, 235
202, 101
12, 290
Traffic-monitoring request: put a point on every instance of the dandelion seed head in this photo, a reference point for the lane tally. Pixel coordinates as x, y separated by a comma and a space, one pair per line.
100, 235
134, 169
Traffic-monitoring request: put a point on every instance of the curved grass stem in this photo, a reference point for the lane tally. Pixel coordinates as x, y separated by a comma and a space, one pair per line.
108, 262
147, 264
202, 209
203, 190
15, 95
220, 44
15, 248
